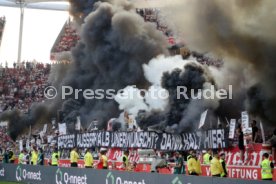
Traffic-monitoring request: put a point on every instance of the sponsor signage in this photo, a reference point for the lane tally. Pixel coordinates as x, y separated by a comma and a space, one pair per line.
54, 175
251, 173
67, 178
111, 179
176, 180
2, 172
22, 174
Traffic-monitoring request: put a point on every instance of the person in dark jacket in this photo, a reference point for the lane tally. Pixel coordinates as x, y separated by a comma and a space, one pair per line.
223, 164
240, 143
40, 160
6, 157
11, 156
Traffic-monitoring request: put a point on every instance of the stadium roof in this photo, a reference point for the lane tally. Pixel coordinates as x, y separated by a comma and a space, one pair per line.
61, 5
33, 1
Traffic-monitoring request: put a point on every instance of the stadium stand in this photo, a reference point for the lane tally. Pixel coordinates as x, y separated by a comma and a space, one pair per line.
66, 40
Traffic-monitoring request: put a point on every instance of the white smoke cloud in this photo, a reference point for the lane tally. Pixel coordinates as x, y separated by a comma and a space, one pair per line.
157, 98
131, 100
154, 70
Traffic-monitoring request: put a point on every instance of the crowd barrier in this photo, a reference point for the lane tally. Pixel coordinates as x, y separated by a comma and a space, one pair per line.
60, 175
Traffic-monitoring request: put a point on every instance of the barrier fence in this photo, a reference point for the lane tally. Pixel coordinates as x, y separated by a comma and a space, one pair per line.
60, 175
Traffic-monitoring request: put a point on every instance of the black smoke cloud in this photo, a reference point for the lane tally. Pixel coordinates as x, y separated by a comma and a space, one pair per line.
183, 113
191, 78
80, 9
242, 32
18, 122
114, 44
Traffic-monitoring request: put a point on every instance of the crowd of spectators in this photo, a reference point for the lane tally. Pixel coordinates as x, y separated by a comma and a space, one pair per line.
206, 60
154, 15
22, 85
6, 141
45, 140
67, 40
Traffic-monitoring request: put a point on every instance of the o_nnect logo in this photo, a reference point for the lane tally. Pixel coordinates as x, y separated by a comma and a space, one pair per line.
110, 179
176, 180
23, 174
2, 172
59, 176
66, 178
18, 173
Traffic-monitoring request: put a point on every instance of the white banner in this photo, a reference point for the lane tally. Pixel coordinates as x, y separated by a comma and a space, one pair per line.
232, 128
62, 128
3, 123
245, 120
202, 119
213, 139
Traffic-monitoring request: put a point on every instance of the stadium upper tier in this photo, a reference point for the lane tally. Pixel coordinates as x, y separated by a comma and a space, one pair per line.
68, 36
63, 5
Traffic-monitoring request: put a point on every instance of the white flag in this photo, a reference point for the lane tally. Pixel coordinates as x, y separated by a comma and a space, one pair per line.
49, 139
62, 128
262, 132
227, 121
232, 128
245, 120
202, 119
28, 144
53, 122
30, 132
44, 129
78, 123
219, 123
110, 124
20, 145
